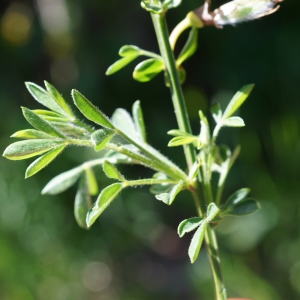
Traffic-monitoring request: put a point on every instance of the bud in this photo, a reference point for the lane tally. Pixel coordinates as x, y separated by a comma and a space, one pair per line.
236, 11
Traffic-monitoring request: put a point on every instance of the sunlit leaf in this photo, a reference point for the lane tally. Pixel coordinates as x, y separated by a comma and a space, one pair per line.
233, 122
120, 64
212, 211
31, 134
168, 198
190, 47
111, 171
43, 161
182, 140
62, 182
196, 242
188, 225
237, 100
139, 120
101, 137
106, 196
148, 69
90, 111
177, 132
122, 120
82, 203
91, 181
58, 98
40, 124
29, 148
129, 50
42, 96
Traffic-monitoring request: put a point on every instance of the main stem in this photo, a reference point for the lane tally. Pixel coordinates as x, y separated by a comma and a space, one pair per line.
162, 34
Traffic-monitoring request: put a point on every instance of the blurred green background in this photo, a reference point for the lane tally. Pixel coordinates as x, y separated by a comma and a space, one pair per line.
133, 251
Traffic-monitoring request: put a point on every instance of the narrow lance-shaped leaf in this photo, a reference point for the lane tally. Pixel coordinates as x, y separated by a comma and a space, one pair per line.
90, 111
148, 69
62, 182
237, 100
190, 47
196, 242
139, 120
58, 98
188, 225
29, 148
182, 140
168, 198
91, 181
40, 124
82, 203
233, 122
101, 137
120, 64
111, 171
43, 161
41, 96
123, 121
31, 134
107, 195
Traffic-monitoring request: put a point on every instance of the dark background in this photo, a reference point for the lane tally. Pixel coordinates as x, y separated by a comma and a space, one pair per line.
133, 251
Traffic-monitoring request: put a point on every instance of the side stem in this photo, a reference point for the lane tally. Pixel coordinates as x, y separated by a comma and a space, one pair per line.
162, 34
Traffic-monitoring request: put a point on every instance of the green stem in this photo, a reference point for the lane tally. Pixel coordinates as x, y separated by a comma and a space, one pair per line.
177, 31
175, 87
148, 181
184, 125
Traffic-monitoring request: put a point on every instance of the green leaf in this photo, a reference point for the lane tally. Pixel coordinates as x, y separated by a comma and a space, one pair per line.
47, 113
53, 92
90, 111
168, 4
196, 242
31, 134
181, 74
111, 171
107, 195
148, 6
160, 188
62, 182
190, 47
40, 124
82, 203
182, 140
237, 100
139, 120
233, 122
212, 211
41, 96
120, 64
92, 215
216, 112
148, 69
236, 198
29, 148
43, 161
188, 225
168, 198
177, 132
194, 170
101, 137
204, 137
242, 208
129, 50
122, 120
91, 182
